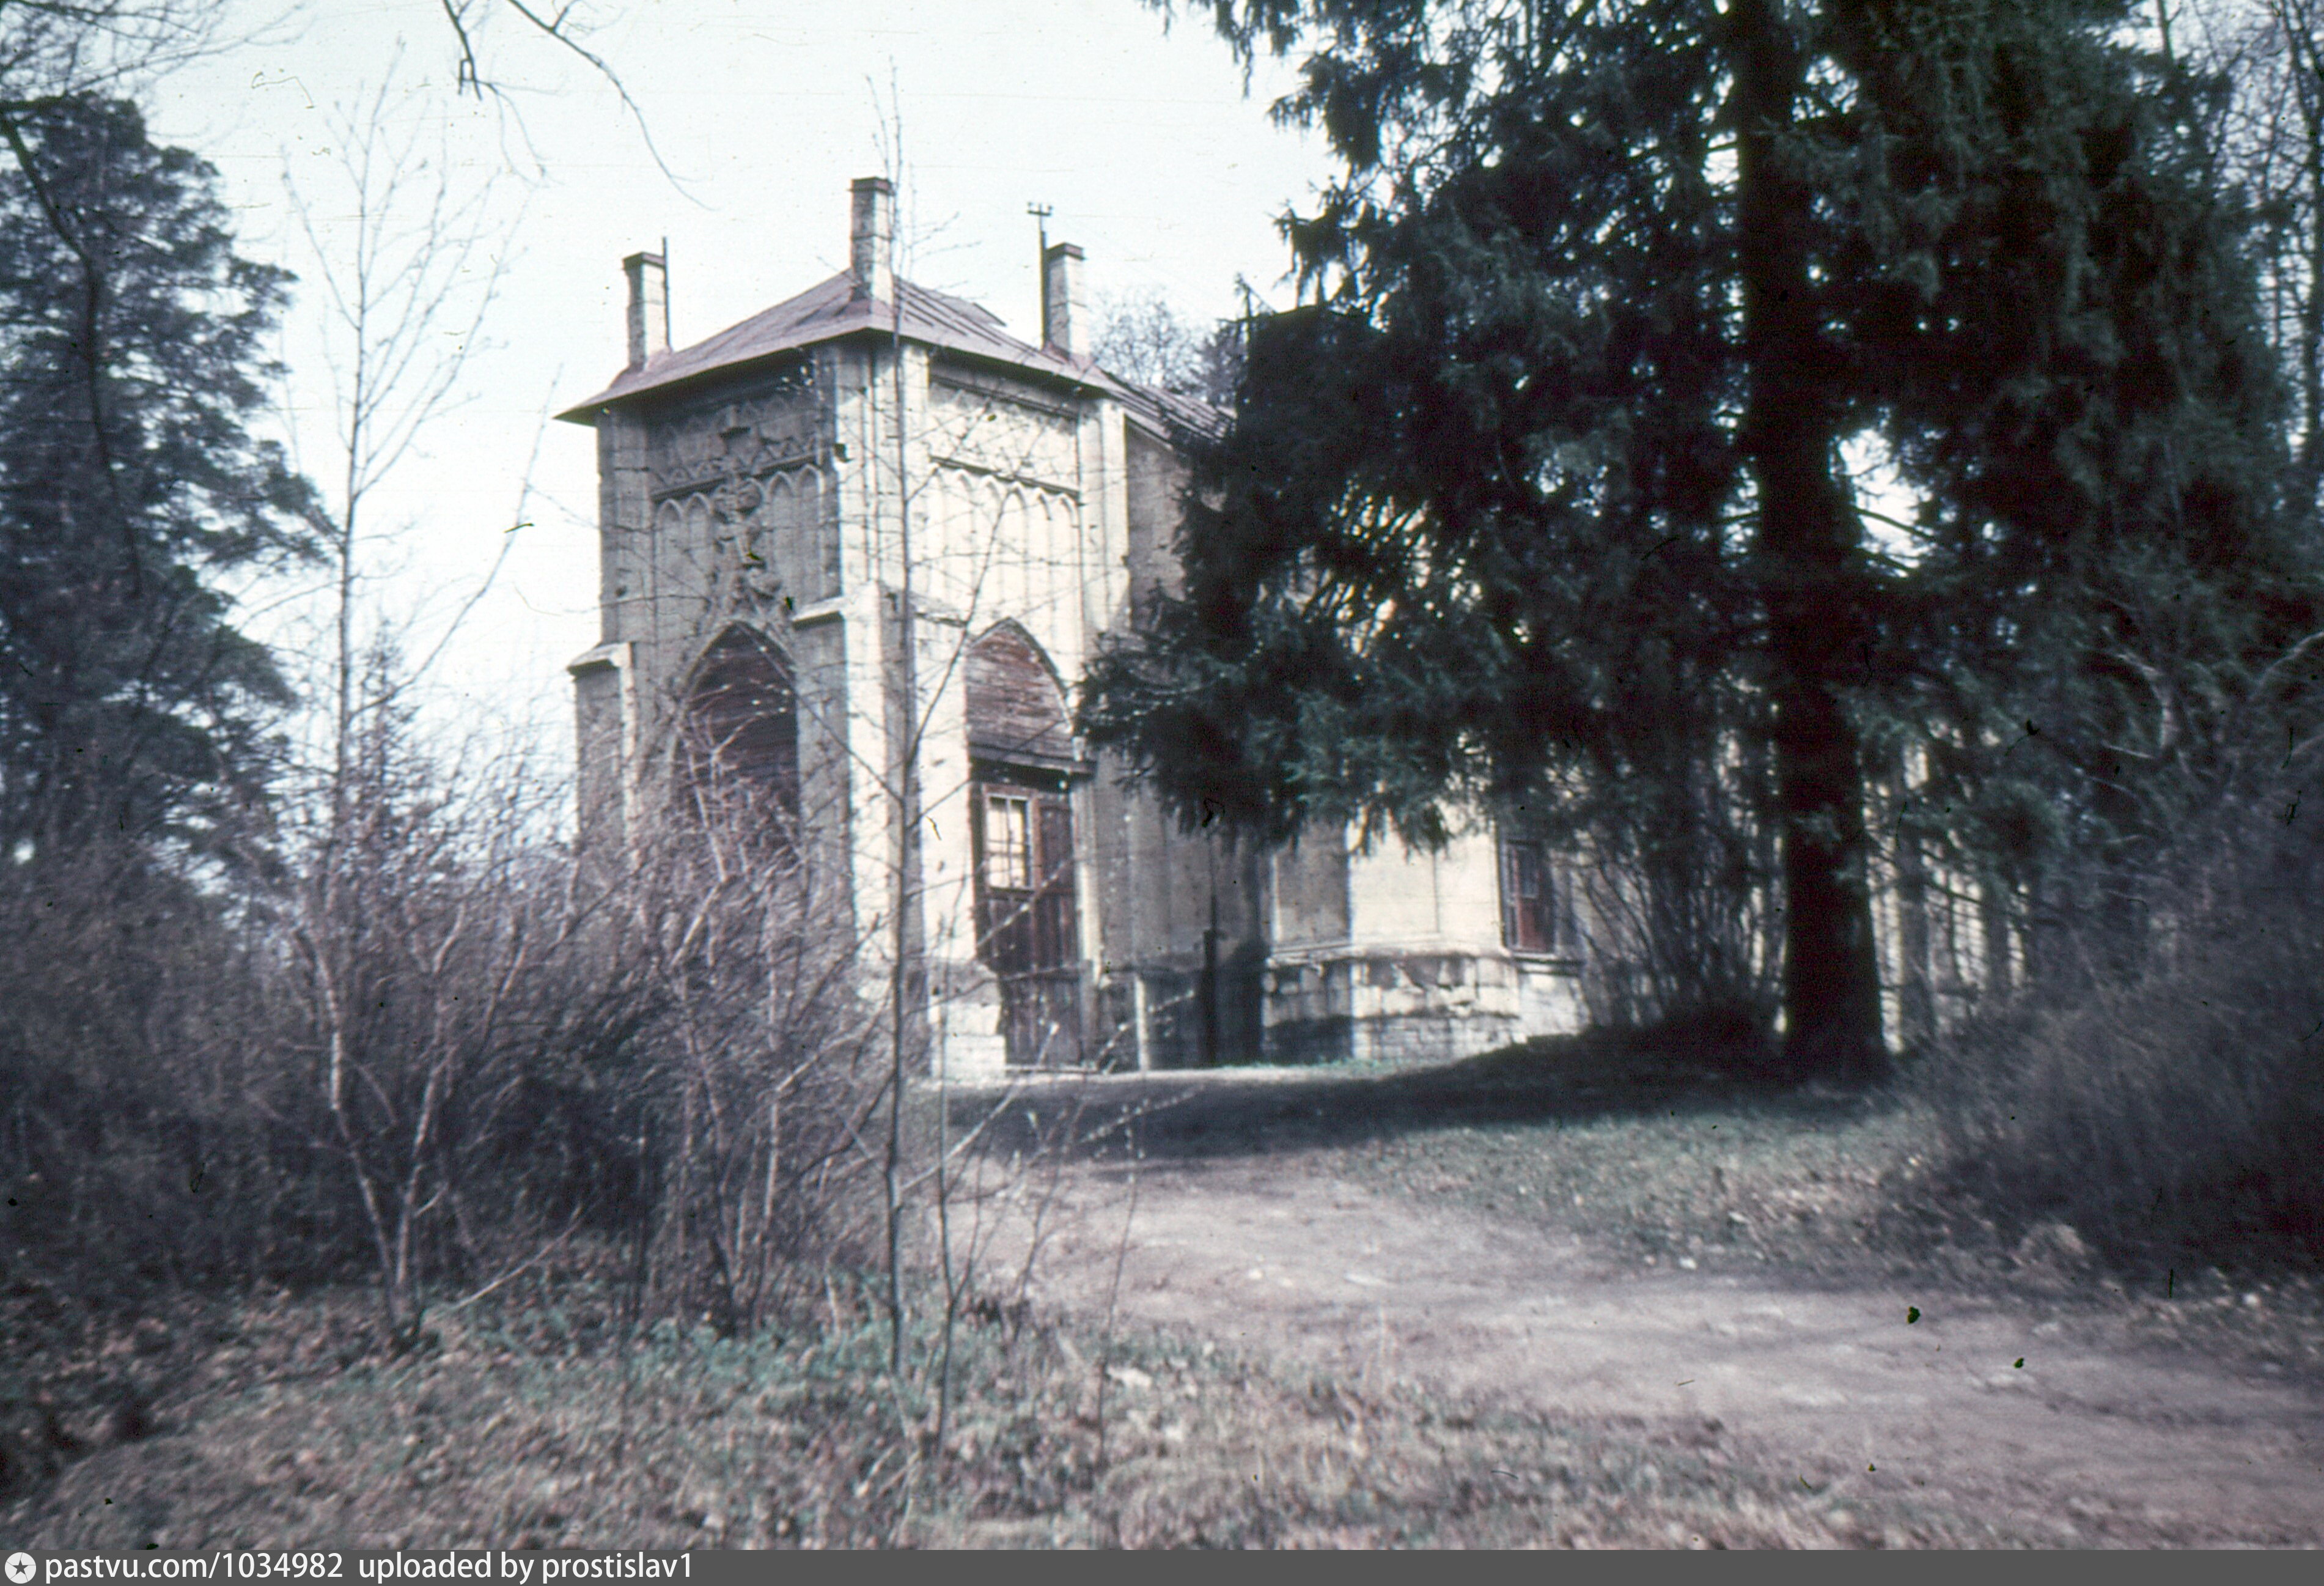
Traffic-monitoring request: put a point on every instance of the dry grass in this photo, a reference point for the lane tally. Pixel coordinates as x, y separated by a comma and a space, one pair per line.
277, 1425
2161, 1087
532, 1422
1823, 1187
1715, 1173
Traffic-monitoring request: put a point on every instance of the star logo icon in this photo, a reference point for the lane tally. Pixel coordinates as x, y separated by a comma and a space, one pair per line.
21, 1568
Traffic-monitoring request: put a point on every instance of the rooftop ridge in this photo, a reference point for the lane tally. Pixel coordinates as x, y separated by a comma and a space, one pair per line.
830, 310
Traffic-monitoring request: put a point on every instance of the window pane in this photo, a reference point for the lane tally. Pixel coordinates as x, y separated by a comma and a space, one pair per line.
1008, 848
1528, 901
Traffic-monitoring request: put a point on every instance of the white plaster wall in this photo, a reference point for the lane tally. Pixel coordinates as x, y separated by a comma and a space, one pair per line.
1391, 897
1399, 897
1103, 481
1469, 892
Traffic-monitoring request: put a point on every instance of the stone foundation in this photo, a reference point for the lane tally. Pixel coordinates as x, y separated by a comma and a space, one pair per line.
1412, 1007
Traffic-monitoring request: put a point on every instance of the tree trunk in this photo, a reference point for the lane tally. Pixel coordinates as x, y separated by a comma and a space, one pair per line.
1809, 571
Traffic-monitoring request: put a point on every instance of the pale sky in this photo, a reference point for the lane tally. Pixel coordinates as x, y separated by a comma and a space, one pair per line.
1144, 142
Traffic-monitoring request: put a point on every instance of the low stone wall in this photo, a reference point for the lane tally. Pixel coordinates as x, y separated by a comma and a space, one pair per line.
1423, 1005
1419, 1006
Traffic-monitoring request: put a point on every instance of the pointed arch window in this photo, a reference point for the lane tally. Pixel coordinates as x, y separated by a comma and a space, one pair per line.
739, 738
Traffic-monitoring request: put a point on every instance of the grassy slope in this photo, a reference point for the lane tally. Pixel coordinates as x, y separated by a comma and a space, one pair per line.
1659, 1156
528, 1426
528, 1429
1736, 1178
1688, 1166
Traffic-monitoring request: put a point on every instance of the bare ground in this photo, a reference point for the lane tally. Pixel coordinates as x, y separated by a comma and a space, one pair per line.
1554, 1296
1865, 1383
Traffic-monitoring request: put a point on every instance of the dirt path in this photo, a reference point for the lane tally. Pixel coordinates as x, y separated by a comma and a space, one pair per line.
2089, 1441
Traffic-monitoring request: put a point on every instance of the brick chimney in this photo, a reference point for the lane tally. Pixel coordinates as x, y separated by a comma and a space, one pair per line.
649, 276
871, 236
1061, 299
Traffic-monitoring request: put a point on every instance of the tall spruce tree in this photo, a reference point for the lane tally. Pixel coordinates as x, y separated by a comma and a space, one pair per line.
1548, 482
131, 709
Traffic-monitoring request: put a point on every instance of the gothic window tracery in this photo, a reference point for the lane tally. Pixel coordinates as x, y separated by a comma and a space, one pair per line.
699, 445
747, 544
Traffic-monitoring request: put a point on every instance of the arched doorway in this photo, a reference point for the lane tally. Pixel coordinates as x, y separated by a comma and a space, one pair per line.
738, 743
1028, 908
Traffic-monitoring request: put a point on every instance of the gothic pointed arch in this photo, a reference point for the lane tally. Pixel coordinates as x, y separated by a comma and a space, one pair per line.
739, 725
1015, 702
1020, 748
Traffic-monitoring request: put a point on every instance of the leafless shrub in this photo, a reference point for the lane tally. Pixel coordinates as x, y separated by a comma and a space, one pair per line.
423, 1046
676, 1051
761, 1068
430, 1049
1671, 879
2174, 1097
429, 948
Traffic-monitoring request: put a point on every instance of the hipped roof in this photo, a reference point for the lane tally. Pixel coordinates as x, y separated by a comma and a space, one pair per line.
831, 309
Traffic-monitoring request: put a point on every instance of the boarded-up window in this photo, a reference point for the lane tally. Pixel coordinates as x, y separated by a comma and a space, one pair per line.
1016, 711
1533, 916
740, 732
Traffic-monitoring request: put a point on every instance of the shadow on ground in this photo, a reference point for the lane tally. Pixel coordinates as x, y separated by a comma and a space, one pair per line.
1192, 1114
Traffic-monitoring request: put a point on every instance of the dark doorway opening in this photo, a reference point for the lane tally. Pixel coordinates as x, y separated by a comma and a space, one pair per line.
738, 747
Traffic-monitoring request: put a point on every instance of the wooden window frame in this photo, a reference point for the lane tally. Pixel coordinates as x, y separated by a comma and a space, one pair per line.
1535, 919
1007, 814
